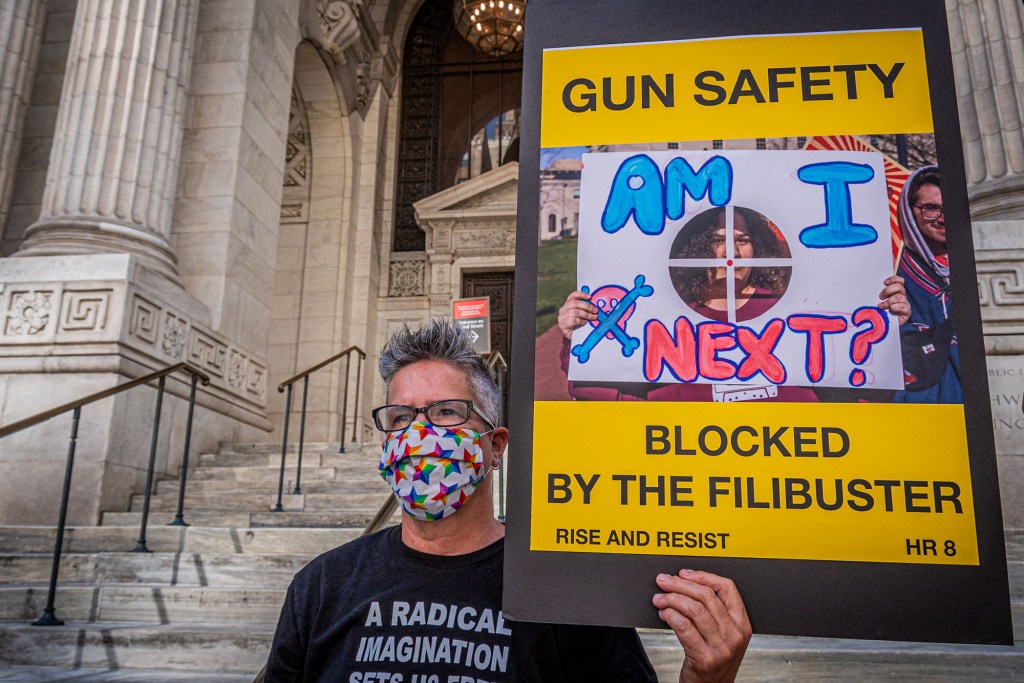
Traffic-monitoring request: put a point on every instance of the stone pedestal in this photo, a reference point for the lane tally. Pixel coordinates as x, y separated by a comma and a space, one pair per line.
999, 248
114, 164
74, 325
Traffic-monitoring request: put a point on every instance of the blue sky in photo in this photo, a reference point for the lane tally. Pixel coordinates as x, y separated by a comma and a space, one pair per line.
551, 154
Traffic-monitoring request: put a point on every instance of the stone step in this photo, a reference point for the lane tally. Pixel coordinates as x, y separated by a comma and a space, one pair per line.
44, 674
369, 479
199, 484
309, 458
350, 519
224, 502
1015, 572
167, 569
780, 658
146, 604
227, 648
218, 648
158, 518
35, 567
194, 539
258, 475
271, 447
259, 502
347, 519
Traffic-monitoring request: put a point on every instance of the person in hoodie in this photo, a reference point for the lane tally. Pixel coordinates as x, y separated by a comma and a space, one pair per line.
931, 362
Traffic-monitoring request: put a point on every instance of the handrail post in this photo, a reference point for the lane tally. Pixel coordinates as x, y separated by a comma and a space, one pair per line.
48, 617
344, 402
355, 408
501, 463
302, 436
178, 517
284, 449
140, 546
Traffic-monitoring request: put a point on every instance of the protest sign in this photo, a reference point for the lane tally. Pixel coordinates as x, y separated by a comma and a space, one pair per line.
744, 402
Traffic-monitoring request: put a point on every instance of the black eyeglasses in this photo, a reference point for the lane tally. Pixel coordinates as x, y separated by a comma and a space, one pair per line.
449, 413
929, 212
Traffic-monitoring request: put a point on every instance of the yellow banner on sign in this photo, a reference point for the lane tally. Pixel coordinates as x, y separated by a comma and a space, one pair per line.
852, 482
748, 87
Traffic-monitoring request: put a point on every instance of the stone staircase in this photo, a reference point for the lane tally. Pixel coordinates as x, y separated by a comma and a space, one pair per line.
205, 601
203, 605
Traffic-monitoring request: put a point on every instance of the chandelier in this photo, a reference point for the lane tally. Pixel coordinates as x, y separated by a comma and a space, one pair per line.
491, 26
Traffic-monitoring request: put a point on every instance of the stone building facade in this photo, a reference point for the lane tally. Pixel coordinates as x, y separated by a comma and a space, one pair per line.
253, 185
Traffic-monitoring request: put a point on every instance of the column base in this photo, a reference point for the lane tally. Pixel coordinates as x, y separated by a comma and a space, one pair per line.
78, 236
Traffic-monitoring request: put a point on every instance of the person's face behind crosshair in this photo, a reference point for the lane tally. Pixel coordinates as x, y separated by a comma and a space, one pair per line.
743, 247
709, 273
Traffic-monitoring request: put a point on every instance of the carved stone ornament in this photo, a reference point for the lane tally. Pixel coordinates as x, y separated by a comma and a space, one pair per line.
1001, 284
339, 22
405, 278
347, 33
29, 313
175, 336
85, 311
237, 370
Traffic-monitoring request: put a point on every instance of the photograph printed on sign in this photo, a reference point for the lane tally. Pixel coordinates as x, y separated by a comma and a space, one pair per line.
783, 305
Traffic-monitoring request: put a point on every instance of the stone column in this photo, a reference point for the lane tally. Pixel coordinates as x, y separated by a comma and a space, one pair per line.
987, 40
21, 27
114, 164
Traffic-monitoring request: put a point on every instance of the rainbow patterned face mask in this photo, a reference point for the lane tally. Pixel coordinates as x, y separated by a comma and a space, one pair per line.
432, 470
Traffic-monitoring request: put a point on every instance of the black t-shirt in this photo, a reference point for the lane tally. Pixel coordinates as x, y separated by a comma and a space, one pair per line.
376, 611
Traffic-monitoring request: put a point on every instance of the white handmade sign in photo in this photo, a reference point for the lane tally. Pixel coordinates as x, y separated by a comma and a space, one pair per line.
735, 267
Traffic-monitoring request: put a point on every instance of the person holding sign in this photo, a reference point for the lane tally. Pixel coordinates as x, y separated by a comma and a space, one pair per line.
421, 602
931, 361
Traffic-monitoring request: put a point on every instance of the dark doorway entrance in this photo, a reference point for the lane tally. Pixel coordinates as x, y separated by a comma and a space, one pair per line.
499, 287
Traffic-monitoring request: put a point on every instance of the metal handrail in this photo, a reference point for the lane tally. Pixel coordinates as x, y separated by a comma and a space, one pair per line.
498, 363
304, 376
91, 398
48, 617
310, 371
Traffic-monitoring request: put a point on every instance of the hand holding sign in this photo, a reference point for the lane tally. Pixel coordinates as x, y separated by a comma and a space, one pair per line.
708, 617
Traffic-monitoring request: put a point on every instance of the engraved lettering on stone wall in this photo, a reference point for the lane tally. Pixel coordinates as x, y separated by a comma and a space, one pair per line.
236, 369
83, 311
207, 353
145, 317
175, 335
29, 312
405, 278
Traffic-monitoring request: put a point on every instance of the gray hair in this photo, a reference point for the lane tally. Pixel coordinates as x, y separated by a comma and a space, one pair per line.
442, 340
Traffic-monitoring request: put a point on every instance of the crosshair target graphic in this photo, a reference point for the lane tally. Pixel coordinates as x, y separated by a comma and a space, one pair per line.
730, 260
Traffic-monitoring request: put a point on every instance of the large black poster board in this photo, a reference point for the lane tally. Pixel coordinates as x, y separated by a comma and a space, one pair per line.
759, 429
